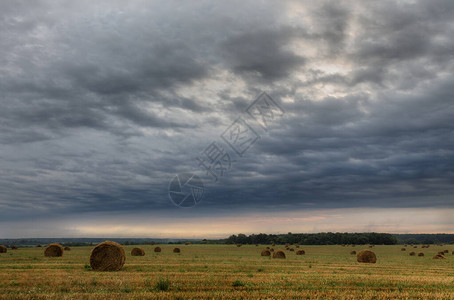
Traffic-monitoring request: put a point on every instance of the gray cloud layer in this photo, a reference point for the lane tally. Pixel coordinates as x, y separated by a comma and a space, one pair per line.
101, 104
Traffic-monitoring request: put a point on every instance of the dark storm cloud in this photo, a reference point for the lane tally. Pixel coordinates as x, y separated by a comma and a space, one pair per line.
102, 104
261, 53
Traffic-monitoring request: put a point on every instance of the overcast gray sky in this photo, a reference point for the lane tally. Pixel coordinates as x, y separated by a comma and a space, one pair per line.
104, 102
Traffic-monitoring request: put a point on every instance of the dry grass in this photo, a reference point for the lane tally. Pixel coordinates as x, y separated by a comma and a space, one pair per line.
366, 256
107, 256
53, 250
279, 254
265, 252
137, 251
209, 271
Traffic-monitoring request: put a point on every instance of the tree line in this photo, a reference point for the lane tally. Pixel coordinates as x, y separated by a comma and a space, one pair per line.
323, 238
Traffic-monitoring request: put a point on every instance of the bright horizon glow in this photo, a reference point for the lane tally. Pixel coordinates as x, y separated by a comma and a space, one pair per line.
396, 220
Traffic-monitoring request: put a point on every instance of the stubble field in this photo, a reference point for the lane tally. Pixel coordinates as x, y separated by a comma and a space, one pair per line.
227, 271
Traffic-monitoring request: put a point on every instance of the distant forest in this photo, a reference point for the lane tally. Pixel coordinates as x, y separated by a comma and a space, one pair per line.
323, 238
330, 238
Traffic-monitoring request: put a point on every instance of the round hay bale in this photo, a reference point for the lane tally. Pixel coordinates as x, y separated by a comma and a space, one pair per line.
403, 249
453, 252
176, 250
279, 254
157, 249
67, 248
187, 243
272, 250
53, 250
3, 249
412, 253
366, 256
415, 246
353, 252
439, 256
420, 254
265, 252
152, 243
239, 245
441, 253
446, 251
256, 245
291, 249
107, 256
14, 247
39, 246
267, 248
300, 252
138, 251
297, 246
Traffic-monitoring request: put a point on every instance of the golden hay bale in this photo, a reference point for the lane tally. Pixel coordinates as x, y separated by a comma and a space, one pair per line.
441, 253
403, 249
291, 249
415, 246
353, 252
405, 245
265, 252
366, 256
452, 252
272, 250
239, 245
279, 254
3, 249
39, 246
420, 254
439, 256
187, 243
152, 243
107, 256
176, 250
137, 251
53, 250
157, 249
446, 251
67, 248
412, 253
287, 244
14, 247
300, 252
267, 248
297, 246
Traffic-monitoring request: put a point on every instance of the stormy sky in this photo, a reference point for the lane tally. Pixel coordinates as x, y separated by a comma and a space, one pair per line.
104, 102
